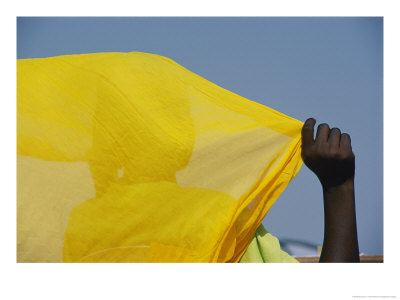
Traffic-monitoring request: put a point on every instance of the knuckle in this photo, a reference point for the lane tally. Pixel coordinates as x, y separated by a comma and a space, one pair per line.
319, 147
305, 149
323, 152
348, 155
334, 153
307, 152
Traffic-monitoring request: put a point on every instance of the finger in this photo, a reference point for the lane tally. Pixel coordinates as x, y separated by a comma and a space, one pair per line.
307, 132
345, 143
334, 138
322, 133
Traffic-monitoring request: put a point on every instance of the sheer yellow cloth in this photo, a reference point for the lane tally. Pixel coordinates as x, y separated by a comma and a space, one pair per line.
129, 157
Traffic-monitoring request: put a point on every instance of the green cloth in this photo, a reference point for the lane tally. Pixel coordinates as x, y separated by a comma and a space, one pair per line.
265, 248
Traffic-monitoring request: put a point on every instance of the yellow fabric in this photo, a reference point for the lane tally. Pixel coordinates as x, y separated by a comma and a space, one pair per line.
129, 157
265, 248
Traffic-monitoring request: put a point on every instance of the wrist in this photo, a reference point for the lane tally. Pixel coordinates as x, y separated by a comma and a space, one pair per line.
342, 187
339, 197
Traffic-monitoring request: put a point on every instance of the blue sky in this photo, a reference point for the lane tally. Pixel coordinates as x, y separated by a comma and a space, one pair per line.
327, 68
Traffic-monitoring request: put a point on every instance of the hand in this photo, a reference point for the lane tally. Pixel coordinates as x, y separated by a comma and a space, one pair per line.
329, 156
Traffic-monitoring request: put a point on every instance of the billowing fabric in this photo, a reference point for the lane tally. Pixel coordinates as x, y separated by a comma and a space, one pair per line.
265, 248
129, 157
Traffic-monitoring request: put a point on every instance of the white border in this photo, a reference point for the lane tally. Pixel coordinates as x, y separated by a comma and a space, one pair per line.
201, 281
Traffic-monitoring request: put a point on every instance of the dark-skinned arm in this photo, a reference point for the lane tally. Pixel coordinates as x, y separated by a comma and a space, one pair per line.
331, 158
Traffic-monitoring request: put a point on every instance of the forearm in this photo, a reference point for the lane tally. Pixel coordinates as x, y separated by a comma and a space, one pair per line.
340, 236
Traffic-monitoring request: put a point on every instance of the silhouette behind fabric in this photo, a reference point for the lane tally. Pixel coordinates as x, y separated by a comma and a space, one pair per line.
129, 157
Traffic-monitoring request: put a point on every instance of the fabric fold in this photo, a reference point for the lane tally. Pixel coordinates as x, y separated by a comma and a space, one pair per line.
129, 157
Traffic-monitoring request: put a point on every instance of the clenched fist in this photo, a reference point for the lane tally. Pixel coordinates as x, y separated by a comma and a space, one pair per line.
329, 156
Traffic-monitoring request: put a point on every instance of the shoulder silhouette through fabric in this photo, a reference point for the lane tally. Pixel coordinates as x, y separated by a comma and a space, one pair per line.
129, 157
